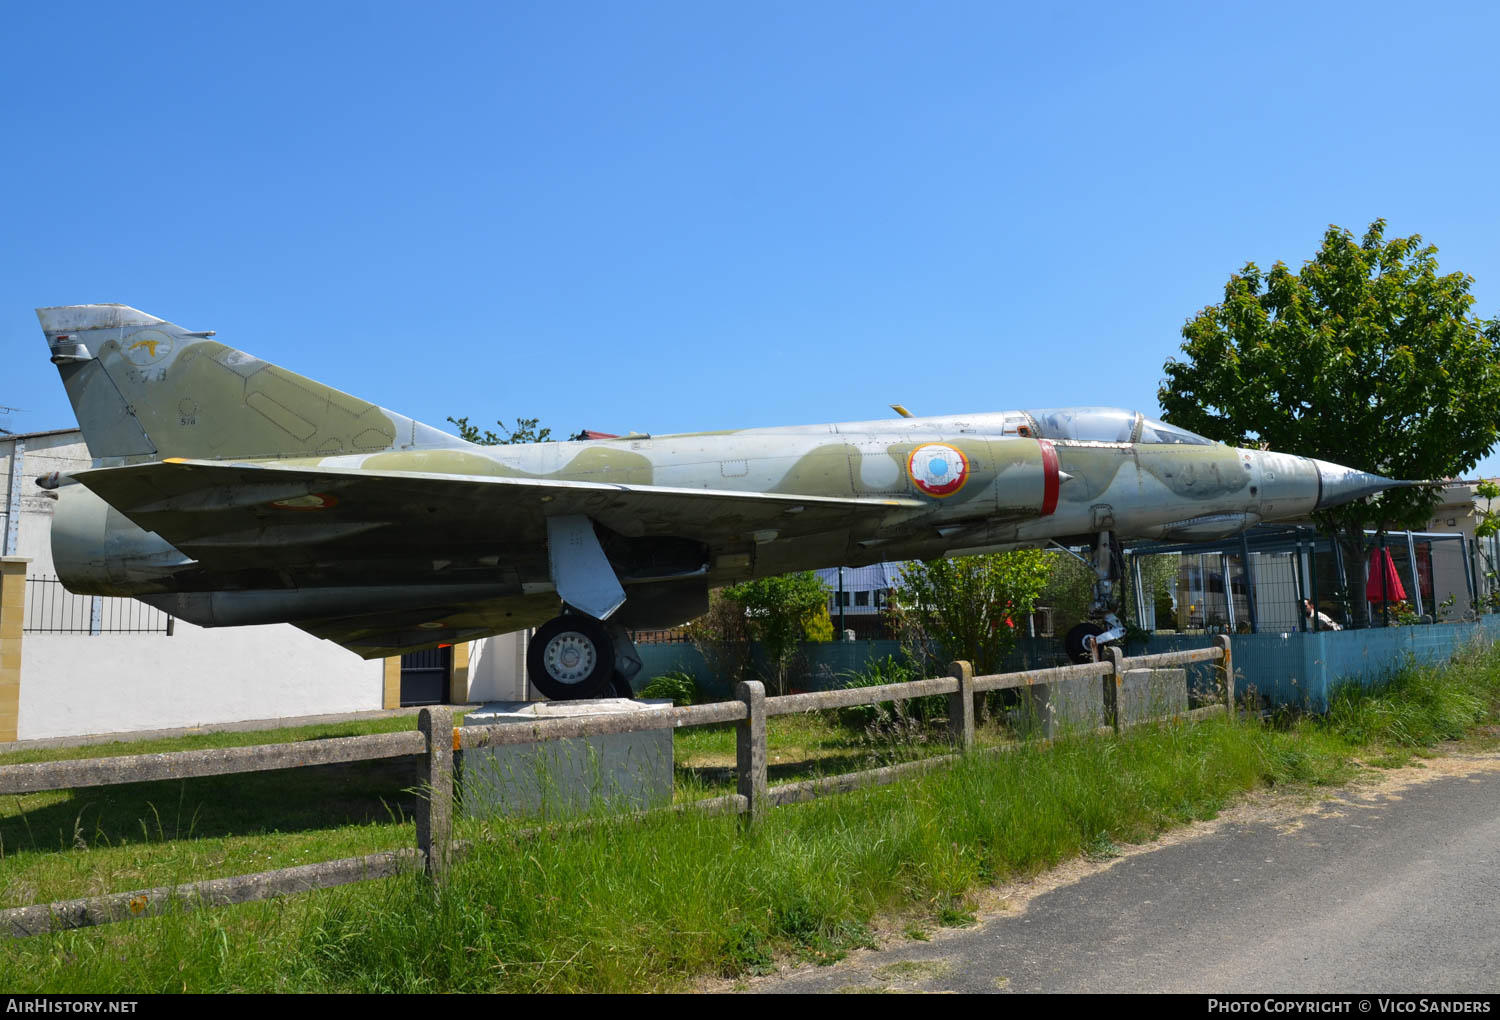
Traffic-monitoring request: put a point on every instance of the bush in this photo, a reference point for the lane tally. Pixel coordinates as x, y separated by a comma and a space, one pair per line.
888, 714
679, 685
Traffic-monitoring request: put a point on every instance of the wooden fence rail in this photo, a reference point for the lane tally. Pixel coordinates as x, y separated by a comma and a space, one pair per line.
437, 740
34, 777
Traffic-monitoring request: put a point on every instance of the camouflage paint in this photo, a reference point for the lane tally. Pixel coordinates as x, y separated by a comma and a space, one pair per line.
277, 494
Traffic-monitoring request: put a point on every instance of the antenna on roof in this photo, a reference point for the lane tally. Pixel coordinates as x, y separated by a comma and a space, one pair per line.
5, 413
901, 410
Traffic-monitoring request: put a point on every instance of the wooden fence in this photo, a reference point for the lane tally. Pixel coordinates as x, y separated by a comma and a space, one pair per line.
437, 739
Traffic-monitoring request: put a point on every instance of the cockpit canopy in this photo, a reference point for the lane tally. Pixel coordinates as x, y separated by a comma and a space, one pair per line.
1106, 425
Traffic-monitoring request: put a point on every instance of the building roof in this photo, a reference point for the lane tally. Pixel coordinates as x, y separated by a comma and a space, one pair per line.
33, 435
875, 577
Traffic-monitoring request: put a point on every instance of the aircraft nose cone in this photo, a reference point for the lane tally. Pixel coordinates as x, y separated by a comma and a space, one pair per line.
1338, 485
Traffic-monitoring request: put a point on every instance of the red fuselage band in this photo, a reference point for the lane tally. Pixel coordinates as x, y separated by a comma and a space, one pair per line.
1050, 479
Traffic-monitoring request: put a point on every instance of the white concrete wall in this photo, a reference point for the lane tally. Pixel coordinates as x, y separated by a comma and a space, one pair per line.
46, 453
75, 684
497, 668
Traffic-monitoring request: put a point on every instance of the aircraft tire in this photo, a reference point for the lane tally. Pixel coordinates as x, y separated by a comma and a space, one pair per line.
571, 657
1073, 643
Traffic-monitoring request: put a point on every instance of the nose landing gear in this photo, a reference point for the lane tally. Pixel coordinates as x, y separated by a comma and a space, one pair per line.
1103, 625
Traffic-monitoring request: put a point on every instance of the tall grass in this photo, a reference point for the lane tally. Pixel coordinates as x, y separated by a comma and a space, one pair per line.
641, 904
647, 904
1419, 705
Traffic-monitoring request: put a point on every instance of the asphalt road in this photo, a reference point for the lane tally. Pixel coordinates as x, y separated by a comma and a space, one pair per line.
1388, 889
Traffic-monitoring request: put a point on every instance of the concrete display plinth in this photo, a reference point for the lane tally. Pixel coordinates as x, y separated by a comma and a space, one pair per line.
626, 771
1153, 694
1078, 705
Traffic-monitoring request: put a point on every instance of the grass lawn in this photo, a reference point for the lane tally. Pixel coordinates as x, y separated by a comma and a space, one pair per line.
653, 903
67, 844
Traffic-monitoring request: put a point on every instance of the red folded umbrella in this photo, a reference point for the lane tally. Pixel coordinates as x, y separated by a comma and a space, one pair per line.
1383, 585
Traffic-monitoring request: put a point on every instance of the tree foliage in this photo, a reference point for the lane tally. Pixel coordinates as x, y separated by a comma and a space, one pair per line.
525, 430
1489, 517
970, 607
1367, 357
1487, 527
1069, 592
817, 626
777, 610
722, 637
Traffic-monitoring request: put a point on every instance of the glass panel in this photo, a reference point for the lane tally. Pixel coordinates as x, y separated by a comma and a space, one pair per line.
1154, 431
1089, 424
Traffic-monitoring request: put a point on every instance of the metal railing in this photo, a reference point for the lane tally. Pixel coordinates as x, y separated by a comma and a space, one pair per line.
52, 609
1263, 580
437, 740
664, 636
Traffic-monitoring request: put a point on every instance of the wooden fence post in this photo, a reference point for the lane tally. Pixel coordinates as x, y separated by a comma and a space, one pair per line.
1114, 687
435, 804
750, 749
1223, 642
961, 705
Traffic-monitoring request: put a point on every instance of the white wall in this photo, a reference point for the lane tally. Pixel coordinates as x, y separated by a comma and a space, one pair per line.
44, 453
75, 684
497, 668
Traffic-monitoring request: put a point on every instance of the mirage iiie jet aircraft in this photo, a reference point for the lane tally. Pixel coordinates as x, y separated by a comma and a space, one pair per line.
228, 491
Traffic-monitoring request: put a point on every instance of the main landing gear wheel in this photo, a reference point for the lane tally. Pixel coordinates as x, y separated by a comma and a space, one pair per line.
1074, 644
571, 657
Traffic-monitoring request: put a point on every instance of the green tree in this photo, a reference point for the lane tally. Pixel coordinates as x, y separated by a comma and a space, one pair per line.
1069, 592
817, 626
777, 610
525, 430
1487, 527
721, 637
970, 607
1367, 357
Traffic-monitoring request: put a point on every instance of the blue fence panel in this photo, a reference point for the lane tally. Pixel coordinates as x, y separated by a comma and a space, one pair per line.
828, 664
1203, 677
1301, 670
1293, 669
821, 666
679, 656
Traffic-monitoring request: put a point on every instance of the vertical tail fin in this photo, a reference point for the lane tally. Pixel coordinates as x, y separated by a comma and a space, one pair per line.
144, 388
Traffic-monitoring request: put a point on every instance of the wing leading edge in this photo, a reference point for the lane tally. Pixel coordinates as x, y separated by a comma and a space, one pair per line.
211, 504
294, 528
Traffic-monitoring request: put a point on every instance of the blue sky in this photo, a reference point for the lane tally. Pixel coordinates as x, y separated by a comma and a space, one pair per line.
681, 216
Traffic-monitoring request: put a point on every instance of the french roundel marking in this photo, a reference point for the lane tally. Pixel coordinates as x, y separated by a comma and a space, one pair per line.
938, 469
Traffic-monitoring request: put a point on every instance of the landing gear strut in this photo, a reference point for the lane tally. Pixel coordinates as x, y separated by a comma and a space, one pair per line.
576, 655
1103, 625
573, 656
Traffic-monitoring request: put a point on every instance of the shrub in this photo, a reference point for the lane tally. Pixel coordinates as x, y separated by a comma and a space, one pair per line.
679, 685
889, 714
